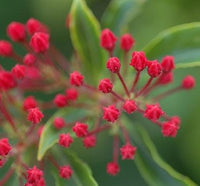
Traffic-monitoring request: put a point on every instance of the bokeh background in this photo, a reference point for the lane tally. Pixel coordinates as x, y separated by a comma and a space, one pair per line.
183, 152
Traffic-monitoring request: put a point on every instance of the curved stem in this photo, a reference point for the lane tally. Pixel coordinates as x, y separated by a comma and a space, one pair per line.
145, 86
137, 76
124, 84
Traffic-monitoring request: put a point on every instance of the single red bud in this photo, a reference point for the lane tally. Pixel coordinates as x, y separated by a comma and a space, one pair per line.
65, 140
40, 42
16, 31
129, 106
113, 64
6, 49
29, 59
60, 100
105, 85
19, 71
126, 42
112, 168
111, 113
188, 82
80, 129
65, 172
127, 151
167, 63
153, 112
154, 68
76, 78
138, 61
108, 40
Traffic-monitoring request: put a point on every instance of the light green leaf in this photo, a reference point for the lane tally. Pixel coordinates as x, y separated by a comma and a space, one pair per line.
151, 166
82, 175
119, 14
50, 135
183, 42
85, 33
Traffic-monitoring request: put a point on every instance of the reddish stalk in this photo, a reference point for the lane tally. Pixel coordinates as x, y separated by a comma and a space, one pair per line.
99, 129
125, 134
145, 86
7, 116
53, 161
115, 148
31, 129
167, 93
17, 58
90, 87
124, 85
125, 60
6, 177
117, 96
137, 76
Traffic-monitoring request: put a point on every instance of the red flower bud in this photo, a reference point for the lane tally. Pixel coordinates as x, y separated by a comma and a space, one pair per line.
176, 120
126, 42
60, 100
166, 78
35, 115
105, 85
40, 42
65, 172
29, 103
19, 71
138, 61
76, 78
111, 113
154, 68
108, 40
71, 94
113, 64
128, 151
112, 168
169, 129
129, 106
29, 59
7, 80
58, 122
34, 175
153, 112
167, 63
6, 49
16, 31
65, 140
4, 147
89, 141
80, 129
188, 82
33, 26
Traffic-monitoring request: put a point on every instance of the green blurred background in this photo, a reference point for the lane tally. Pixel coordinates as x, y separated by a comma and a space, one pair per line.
183, 152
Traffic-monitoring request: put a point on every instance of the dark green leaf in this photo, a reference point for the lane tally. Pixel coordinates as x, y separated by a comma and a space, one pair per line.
151, 166
183, 42
120, 13
50, 135
85, 33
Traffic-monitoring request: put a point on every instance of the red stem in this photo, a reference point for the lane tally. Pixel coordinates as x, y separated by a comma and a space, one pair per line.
6, 177
115, 148
137, 76
99, 129
53, 161
123, 83
125, 133
117, 96
145, 86
167, 93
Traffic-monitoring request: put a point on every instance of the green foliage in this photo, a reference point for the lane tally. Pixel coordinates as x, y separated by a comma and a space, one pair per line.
183, 42
151, 166
120, 13
85, 32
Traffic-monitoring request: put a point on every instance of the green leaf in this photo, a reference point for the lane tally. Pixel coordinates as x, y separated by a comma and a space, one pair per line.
85, 33
183, 42
120, 13
151, 166
50, 135
82, 174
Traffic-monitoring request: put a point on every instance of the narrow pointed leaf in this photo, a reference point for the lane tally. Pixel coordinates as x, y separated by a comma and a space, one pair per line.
119, 14
85, 32
183, 42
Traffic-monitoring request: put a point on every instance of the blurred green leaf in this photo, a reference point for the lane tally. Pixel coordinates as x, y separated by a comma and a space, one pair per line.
50, 135
183, 42
120, 13
151, 166
82, 175
85, 33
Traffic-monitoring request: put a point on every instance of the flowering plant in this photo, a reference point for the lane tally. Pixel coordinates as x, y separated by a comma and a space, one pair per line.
104, 87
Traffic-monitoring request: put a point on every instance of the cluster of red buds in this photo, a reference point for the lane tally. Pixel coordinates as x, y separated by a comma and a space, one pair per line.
43, 69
